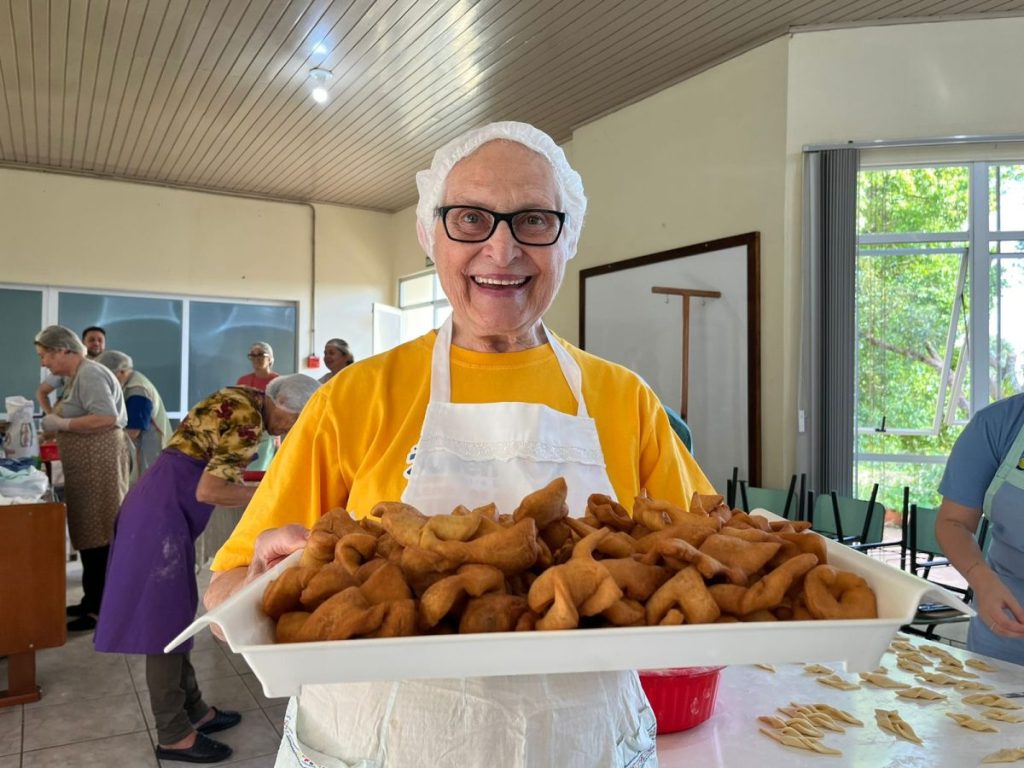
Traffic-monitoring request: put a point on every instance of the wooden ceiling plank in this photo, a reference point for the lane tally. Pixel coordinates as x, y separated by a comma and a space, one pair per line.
291, 101
124, 71
673, 70
75, 23
8, 91
110, 50
294, 110
292, 49
191, 54
39, 27
511, 100
468, 114
215, 43
57, 29
129, 111
16, 67
95, 26
345, 27
236, 56
190, 44
367, 111
370, 151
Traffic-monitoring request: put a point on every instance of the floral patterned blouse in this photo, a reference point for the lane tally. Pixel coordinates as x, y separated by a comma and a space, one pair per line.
223, 430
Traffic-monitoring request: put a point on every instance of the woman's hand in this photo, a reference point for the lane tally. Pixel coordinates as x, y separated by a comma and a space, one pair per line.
51, 422
274, 545
271, 547
996, 605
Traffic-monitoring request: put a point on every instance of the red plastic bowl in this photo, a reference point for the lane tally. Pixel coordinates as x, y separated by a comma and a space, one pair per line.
48, 452
681, 698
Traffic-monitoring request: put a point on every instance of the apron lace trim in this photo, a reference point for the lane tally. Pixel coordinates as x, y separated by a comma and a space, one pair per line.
533, 450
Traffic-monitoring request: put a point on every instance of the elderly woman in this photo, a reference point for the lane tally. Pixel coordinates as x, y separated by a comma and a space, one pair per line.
152, 591
148, 426
337, 355
89, 422
261, 357
496, 406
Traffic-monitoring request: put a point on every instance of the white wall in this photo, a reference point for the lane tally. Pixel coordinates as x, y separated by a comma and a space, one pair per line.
354, 269
92, 233
701, 160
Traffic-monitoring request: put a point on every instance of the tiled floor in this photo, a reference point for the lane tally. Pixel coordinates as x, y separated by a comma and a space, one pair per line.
95, 707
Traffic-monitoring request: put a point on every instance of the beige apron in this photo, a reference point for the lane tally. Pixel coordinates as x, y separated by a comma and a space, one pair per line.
472, 454
96, 469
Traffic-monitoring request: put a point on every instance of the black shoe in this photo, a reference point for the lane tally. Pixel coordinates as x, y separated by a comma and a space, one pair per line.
222, 720
205, 750
74, 611
85, 623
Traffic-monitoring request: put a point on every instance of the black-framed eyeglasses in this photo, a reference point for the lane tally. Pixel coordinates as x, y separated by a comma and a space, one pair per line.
470, 224
257, 354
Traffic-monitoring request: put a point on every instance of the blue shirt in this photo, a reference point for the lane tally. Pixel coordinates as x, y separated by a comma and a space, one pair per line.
980, 449
140, 411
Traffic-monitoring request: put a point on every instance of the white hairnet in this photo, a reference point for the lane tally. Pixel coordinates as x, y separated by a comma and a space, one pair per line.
115, 360
431, 182
59, 337
291, 392
262, 346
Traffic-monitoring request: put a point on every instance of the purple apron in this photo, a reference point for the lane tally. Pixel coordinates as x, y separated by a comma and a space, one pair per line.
151, 593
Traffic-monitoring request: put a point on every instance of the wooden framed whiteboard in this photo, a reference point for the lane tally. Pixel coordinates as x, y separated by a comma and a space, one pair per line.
623, 321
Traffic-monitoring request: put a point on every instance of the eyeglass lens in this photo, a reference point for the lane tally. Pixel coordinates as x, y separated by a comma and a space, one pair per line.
475, 225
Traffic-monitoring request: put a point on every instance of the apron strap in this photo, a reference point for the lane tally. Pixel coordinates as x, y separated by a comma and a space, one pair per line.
441, 375
1009, 465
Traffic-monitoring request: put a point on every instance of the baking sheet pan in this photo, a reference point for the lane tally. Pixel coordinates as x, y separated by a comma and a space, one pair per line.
860, 643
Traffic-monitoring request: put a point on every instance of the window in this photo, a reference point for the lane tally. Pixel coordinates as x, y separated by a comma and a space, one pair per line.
188, 347
939, 314
423, 304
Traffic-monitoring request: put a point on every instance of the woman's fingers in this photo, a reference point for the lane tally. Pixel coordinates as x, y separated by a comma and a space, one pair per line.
274, 545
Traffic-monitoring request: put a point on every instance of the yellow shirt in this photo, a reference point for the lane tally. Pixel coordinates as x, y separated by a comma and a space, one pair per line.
351, 445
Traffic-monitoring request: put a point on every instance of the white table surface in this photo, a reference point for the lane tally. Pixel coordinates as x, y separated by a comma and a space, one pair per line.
731, 736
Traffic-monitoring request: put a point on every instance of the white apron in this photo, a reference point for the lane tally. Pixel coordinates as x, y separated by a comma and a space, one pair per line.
473, 454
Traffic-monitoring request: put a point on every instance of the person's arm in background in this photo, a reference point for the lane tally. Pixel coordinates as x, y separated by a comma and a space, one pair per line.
89, 422
216, 490
998, 608
140, 414
43, 395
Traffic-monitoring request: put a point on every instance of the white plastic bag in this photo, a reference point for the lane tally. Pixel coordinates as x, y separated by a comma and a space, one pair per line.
21, 440
29, 483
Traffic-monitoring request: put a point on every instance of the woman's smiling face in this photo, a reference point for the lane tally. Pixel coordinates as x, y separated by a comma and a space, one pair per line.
500, 288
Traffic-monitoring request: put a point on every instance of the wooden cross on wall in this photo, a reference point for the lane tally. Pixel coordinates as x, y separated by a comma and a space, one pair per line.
687, 294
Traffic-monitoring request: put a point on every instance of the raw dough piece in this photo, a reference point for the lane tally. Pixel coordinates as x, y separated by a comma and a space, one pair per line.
881, 681
922, 694
966, 721
981, 664
800, 742
991, 700
836, 681
890, 720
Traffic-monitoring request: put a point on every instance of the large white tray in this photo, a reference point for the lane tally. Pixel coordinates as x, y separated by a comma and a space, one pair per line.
284, 669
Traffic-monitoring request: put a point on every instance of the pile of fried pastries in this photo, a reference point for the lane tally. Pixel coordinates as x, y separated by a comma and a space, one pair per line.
399, 572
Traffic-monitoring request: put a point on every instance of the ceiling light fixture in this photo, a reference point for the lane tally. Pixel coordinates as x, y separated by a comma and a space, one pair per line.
320, 77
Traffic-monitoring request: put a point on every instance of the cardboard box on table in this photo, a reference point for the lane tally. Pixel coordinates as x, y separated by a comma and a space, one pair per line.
284, 669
